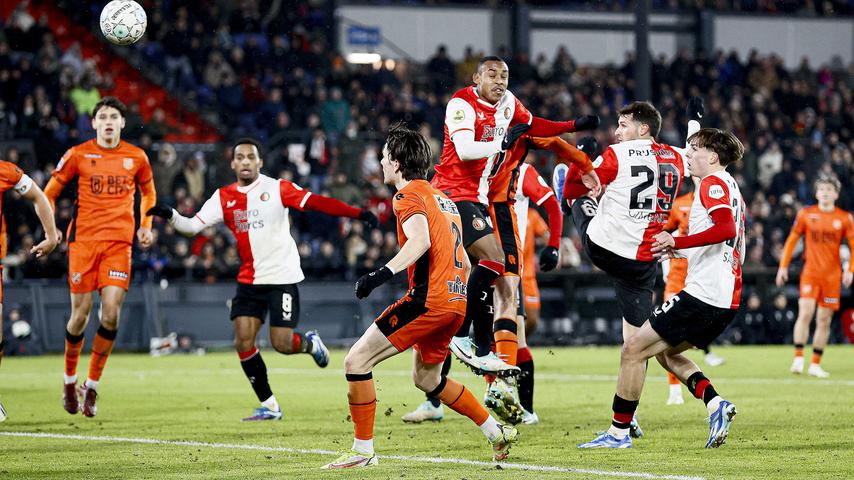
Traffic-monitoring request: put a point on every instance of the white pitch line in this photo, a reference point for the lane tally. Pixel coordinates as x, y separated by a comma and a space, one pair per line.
303, 451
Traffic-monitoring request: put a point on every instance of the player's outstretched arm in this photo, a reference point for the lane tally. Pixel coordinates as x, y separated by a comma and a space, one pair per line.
417, 243
540, 127
724, 229
549, 256
211, 211
52, 190
148, 198
337, 208
45, 213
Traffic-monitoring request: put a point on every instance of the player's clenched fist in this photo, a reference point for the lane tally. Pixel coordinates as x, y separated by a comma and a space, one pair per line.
513, 134
367, 283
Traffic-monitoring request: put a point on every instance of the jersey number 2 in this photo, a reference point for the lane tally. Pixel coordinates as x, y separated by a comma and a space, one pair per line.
458, 240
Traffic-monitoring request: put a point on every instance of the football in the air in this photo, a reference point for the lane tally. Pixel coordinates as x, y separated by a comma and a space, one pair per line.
123, 22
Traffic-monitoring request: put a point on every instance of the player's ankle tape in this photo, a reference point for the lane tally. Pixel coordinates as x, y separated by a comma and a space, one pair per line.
504, 324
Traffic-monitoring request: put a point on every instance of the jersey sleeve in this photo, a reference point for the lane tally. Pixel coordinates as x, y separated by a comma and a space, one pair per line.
714, 194
800, 226
459, 116
406, 205
10, 176
211, 211
520, 113
534, 187
144, 173
66, 170
293, 196
606, 166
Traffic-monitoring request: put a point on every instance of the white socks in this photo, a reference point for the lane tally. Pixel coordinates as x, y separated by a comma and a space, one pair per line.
271, 403
70, 378
490, 428
365, 447
713, 404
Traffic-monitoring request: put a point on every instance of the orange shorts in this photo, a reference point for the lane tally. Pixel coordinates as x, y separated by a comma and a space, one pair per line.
92, 265
825, 289
506, 229
531, 291
407, 323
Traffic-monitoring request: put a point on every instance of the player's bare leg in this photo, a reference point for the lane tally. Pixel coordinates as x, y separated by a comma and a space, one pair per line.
285, 340
801, 332
81, 306
628, 330
246, 330
823, 316
532, 320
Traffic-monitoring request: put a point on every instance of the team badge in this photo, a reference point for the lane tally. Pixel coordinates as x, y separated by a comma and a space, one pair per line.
76, 277
265, 196
478, 224
127, 162
507, 113
837, 224
459, 116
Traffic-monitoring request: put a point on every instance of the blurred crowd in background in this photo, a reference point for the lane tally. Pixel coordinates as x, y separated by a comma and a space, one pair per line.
269, 71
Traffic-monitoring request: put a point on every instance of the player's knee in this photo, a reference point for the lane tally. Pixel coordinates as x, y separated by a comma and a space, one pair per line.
243, 344
631, 351
354, 363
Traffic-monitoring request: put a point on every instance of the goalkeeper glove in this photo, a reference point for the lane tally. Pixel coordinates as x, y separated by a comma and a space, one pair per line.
367, 283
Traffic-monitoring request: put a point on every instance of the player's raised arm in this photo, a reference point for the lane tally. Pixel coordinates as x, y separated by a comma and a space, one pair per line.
541, 127
337, 208
848, 275
795, 235
571, 155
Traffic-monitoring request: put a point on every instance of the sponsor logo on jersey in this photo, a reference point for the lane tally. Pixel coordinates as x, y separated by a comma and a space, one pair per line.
831, 300
265, 196
651, 217
457, 287
490, 133
481, 116
111, 184
398, 196
76, 277
446, 205
127, 162
91, 155
716, 192
478, 224
459, 116
245, 220
117, 274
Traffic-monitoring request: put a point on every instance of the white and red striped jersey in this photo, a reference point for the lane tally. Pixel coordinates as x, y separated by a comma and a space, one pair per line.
641, 180
257, 215
469, 180
529, 186
714, 271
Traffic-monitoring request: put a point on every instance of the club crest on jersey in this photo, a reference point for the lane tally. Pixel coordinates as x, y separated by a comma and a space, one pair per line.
507, 113
837, 224
478, 224
459, 116
127, 162
265, 196
76, 277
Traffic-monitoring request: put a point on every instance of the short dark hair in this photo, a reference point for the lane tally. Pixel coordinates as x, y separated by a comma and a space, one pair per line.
726, 145
488, 58
644, 112
830, 180
409, 149
247, 141
110, 102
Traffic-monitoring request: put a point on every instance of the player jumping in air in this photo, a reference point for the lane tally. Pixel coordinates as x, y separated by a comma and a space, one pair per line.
430, 237
699, 313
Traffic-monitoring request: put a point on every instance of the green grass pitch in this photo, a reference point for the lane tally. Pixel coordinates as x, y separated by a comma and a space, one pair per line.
787, 426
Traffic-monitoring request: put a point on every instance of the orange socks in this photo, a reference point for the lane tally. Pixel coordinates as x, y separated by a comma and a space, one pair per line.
73, 345
101, 348
459, 399
816, 355
672, 379
363, 404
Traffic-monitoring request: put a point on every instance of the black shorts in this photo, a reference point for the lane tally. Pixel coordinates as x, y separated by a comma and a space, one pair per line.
504, 222
634, 280
282, 301
684, 318
475, 220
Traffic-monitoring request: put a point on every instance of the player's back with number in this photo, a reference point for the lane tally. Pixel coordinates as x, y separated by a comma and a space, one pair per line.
438, 277
642, 178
